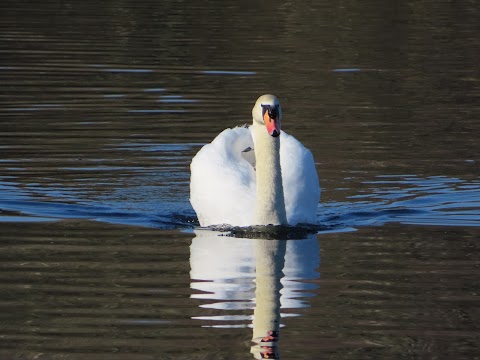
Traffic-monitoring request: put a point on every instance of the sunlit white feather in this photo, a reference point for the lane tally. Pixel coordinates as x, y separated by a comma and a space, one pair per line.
222, 187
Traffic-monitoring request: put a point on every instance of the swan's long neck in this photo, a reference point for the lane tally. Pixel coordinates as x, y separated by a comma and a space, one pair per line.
270, 203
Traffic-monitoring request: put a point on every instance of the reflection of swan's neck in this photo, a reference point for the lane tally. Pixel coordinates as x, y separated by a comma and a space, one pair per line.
269, 260
270, 203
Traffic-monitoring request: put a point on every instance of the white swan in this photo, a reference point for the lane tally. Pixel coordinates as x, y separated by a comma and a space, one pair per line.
276, 183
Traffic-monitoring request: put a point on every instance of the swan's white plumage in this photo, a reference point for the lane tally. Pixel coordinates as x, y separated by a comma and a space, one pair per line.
300, 181
222, 186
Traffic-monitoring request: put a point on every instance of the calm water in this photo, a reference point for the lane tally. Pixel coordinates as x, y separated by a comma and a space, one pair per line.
102, 107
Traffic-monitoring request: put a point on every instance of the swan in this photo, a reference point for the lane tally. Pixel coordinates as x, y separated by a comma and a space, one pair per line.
255, 175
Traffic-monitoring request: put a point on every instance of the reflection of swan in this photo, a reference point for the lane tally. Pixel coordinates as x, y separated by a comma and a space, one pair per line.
223, 270
276, 183
244, 274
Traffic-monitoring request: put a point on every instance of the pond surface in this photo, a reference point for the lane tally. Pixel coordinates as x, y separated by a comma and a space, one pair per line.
102, 108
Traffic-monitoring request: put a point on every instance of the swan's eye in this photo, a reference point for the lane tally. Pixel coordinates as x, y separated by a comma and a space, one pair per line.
273, 113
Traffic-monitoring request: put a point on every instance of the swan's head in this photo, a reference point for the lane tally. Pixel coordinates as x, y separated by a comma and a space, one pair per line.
267, 111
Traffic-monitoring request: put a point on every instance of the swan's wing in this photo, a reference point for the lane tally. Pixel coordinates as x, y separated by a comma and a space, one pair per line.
300, 181
222, 184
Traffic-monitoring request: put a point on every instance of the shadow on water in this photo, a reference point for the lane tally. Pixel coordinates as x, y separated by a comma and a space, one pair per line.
233, 276
269, 232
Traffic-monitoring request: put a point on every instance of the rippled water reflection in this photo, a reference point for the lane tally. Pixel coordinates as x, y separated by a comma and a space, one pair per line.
388, 198
102, 106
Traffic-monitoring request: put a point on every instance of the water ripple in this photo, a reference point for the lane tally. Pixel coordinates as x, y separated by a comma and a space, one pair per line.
437, 200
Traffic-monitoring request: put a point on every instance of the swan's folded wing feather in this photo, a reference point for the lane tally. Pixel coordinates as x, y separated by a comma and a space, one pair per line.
249, 155
222, 184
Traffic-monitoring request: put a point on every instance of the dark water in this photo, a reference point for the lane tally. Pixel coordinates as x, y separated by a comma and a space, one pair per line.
102, 107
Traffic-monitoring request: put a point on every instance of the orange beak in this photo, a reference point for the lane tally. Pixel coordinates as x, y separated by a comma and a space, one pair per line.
273, 125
